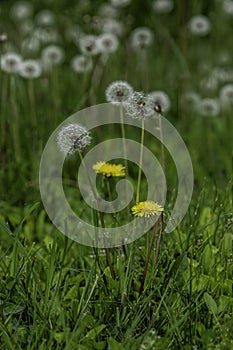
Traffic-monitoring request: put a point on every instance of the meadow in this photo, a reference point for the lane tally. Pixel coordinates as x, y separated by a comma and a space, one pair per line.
58, 58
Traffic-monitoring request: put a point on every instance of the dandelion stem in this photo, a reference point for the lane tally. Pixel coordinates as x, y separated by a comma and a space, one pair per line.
125, 158
107, 251
159, 241
147, 259
15, 124
161, 142
140, 162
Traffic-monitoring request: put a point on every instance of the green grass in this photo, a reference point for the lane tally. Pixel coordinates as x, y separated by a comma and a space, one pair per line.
58, 294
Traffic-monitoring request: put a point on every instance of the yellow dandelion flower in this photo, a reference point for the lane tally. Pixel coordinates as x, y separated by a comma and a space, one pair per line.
108, 169
147, 209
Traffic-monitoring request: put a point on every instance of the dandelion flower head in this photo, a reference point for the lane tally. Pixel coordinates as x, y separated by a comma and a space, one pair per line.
118, 92
108, 169
147, 209
138, 106
72, 138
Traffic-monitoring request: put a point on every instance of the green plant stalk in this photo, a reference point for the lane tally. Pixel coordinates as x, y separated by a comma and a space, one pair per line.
147, 259
159, 241
140, 162
15, 122
107, 251
161, 142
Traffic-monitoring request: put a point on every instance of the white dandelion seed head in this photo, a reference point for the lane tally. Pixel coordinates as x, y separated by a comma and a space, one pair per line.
226, 96
81, 64
10, 62
118, 92
111, 25
120, 3
30, 45
46, 35
73, 33
45, 18
209, 83
163, 6
199, 25
227, 6
73, 138
191, 99
209, 107
159, 98
30, 69
107, 43
107, 10
53, 55
223, 74
88, 45
141, 38
138, 106
21, 10
26, 27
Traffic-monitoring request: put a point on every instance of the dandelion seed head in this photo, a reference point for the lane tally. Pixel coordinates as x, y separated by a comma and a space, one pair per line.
118, 92
107, 10
138, 106
209, 107
81, 64
147, 209
108, 169
10, 62
159, 98
88, 45
226, 96
120, 3
199, 25
30, 69
227, 6
163, 6
107, 43
45, 18
111, 25
30, 45
21, 10
191, 99
141, 38
53, 55
46, 35
73, 138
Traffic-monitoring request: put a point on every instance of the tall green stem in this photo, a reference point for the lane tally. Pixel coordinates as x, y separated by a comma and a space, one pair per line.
125, 158
140, 161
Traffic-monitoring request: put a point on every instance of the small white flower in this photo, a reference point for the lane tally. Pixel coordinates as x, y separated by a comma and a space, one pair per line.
107, 43
163, 6
45, 18
81, 64
199, 25
10, 62
72, 138
138, 106
161, 99
30, 69
226, 96
53, 55
88, 45
21, 10
141, 38
209, 107
118, 92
